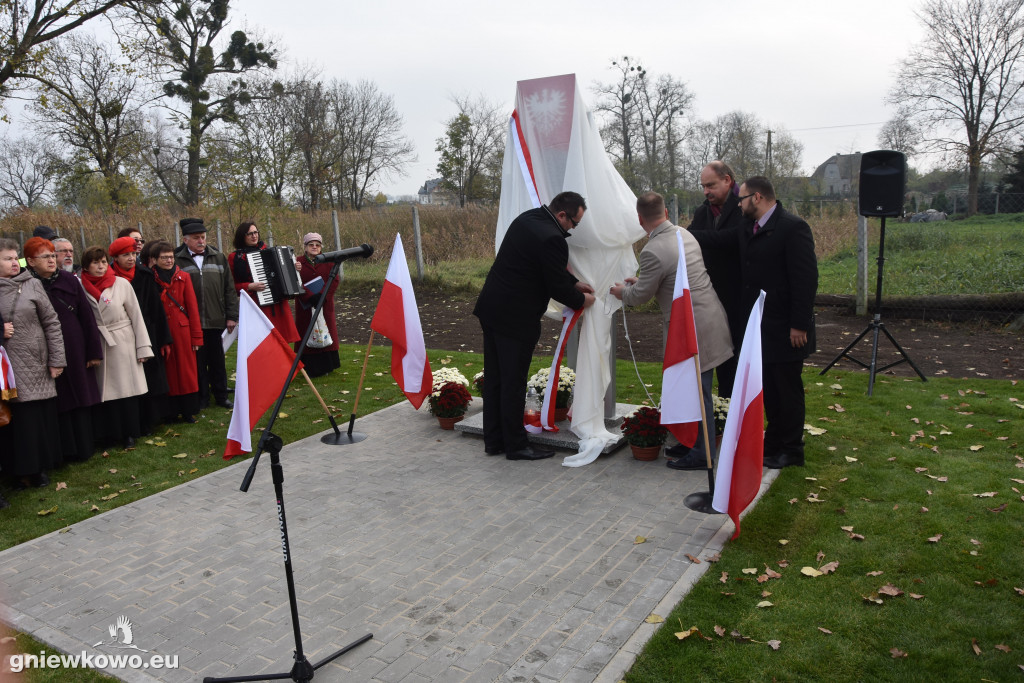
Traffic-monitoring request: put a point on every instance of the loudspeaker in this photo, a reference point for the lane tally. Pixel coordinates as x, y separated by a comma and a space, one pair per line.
883, 183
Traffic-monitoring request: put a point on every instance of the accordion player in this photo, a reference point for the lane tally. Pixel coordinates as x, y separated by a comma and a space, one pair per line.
275, 268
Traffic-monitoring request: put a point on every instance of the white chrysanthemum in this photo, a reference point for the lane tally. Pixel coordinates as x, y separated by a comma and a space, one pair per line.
445, 375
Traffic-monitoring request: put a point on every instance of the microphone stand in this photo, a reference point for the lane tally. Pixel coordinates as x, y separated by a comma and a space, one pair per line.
302, 671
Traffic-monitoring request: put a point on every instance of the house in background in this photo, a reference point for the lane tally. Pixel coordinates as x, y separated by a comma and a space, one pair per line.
838, 176
434, 193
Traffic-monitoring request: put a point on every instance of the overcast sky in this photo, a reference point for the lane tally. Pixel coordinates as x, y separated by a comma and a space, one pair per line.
806, 65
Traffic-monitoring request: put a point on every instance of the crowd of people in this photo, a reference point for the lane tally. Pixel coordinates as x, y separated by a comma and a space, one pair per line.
104, 350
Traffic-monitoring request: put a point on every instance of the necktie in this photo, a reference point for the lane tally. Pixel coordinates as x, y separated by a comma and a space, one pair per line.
757, 227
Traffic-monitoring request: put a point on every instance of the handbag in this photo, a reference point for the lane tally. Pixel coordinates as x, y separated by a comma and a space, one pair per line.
321, 335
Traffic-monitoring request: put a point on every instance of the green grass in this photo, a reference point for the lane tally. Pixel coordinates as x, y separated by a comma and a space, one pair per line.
863, 471
982, 255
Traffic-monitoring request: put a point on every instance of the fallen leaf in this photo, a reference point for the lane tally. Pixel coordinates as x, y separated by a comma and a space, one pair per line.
783, 541
750, 570
1003, 648
683, 635
975, 646
987, 494
654, 619
916, 596
720, 631
783, 563
825, 631
639, 539
810, 571
935, 538
765, 603
820, 556
877, 572
829, 568
924, 509
977, 447
739, 636
772, 574
180, 455
774, 644
714, 557
897, 653
112, 496
61, 485
890, 590
873, 598
43, 513
692, 558
849, 459
724, 578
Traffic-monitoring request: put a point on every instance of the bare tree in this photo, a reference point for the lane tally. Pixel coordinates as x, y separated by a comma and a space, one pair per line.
26, 27
964, 79
661, 104
91, 105
378, 148
619, 106
471, 149
900, 133
313, 110
28, 167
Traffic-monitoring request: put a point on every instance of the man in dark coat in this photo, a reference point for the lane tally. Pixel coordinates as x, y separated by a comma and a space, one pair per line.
721, 213
218, 307
529, 270
777, 255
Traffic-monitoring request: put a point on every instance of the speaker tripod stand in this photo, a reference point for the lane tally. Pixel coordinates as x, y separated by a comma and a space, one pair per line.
875, 326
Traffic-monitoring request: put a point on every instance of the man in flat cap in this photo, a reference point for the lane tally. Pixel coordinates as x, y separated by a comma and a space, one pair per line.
218, 307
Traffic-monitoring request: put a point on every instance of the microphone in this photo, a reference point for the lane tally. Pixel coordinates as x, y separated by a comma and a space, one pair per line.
363, 250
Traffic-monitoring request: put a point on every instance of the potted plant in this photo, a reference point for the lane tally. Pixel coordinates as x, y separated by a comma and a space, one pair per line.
644, 432
478, 382
563, 395
721, 412
449, 397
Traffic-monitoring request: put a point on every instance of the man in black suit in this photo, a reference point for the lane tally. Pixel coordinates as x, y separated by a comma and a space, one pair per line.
721, 213
530, 269
776, 254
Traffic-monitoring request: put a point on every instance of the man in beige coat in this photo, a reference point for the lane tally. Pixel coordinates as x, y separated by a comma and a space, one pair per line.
658, 261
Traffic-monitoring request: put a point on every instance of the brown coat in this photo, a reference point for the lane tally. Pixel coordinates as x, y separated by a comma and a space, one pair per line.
37, 344
125, 340
657, 278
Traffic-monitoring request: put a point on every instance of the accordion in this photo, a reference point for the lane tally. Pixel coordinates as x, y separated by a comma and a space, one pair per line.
275, 268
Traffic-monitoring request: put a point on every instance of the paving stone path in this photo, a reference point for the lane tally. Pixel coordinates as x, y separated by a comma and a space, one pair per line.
464, 567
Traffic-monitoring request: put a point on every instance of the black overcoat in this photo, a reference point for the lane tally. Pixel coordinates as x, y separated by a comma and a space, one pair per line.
724, 267
530, 269
148, 294
76, 386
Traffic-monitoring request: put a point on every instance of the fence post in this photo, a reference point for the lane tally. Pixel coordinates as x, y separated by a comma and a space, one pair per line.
417, 238
140, 228
110, 233
270, 232
177, 235
81, 231
337, 230
21, 237
862, 265
997, 202
674, 210
954, 203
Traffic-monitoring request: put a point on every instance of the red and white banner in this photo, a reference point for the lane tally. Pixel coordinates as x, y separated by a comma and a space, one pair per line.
264, 359
741, 460
8, 387
398, 319
523, 157
680, 384
546, 420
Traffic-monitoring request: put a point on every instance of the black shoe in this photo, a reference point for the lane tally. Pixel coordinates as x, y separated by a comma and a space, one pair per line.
691, 461
777, 462
500, 450
129, 442
188, 419
677, 451
529, 453
3, 502
225, 403
41, 480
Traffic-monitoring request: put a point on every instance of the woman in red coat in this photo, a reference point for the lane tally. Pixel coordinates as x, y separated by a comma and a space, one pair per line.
179, 300
247, 241
317, 361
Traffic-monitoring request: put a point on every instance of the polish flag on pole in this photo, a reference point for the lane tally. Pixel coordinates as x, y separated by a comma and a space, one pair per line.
398, 319
680, 386
264, 359
741, 459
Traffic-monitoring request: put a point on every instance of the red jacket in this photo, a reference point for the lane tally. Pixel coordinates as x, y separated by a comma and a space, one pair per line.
186, 331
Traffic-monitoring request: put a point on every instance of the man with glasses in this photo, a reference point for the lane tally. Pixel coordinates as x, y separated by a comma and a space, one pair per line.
66, 256
218, 307
529, 269
721, 213
777, 255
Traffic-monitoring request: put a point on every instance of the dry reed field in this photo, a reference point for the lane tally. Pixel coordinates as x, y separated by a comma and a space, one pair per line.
448, 233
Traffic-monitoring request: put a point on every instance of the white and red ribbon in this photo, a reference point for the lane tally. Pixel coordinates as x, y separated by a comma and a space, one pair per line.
8, 387
546, 420
523, 156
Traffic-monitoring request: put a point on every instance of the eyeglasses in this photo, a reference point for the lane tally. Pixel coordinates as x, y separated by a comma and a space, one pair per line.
746, 196
252, 232
575, 223
165, 257
139, 240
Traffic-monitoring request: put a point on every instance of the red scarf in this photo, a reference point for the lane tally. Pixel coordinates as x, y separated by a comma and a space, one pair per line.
94, 286
121, 272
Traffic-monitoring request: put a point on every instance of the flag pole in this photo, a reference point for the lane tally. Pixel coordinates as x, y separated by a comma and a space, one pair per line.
701, 501
359, 389
309, 381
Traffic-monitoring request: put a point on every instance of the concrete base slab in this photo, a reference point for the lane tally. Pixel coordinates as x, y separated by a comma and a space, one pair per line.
563, 438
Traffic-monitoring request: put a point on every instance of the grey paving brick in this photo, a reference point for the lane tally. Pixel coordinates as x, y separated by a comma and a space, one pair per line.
462, 569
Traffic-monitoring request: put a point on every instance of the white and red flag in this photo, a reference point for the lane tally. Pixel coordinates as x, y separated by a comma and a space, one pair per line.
264, 359
546, 420
8, 387
680, 383
398, 319
741, 459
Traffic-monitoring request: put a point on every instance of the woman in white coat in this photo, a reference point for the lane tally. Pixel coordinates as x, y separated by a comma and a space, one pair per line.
126, 346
